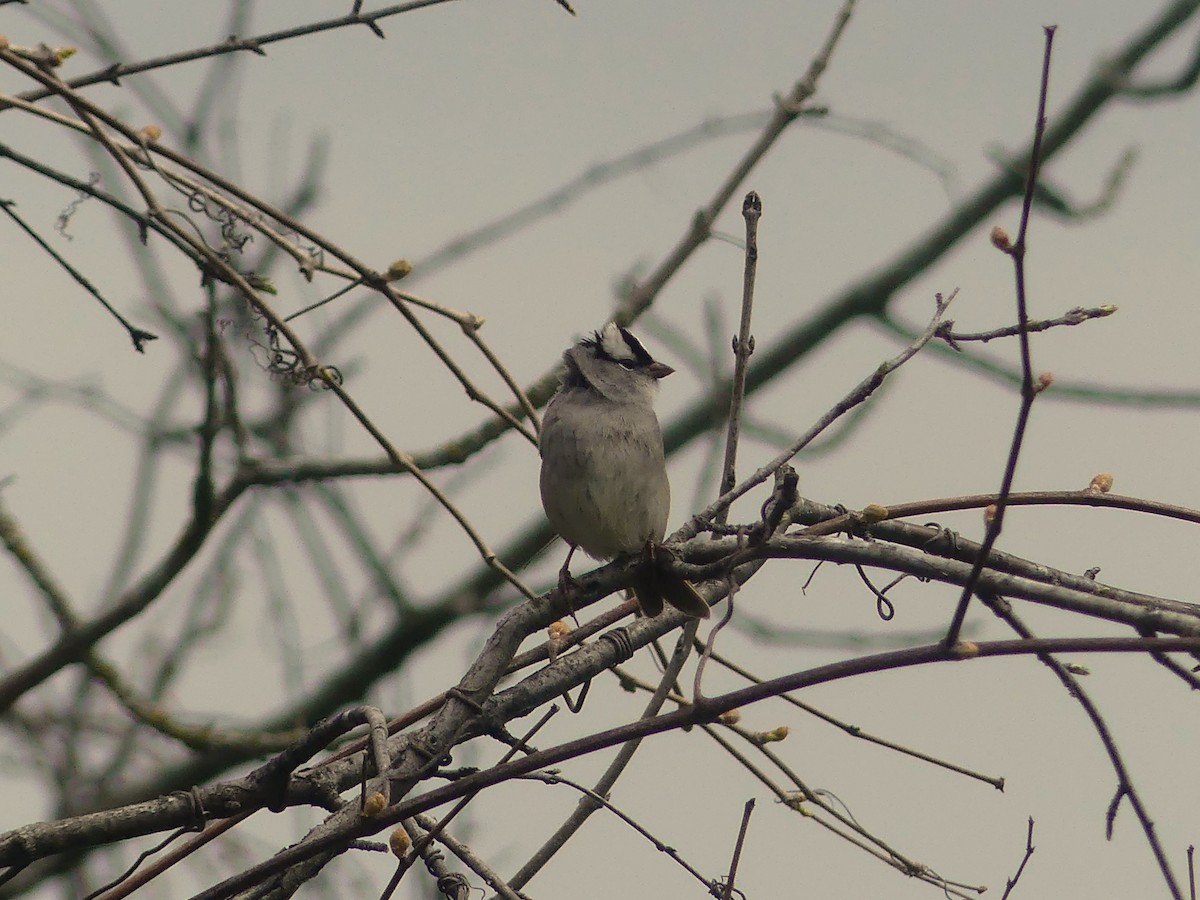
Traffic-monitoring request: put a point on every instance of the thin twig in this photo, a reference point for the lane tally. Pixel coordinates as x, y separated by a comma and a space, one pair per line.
1089, 498
870, 846
255, 44
787, 109
471, 330
1183, 673
841, 823
743, 347
727, 891
405, 462
1109, 395
1003, 610
136, 879
139, 336
857, 732
857, 395
1028, 392
602, 802
1029, 848
1075, 316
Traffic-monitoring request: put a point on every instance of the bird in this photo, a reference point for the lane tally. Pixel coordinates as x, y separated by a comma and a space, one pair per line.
603, 479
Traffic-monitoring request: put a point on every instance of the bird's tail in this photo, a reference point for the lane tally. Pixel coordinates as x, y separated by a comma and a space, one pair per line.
653, 586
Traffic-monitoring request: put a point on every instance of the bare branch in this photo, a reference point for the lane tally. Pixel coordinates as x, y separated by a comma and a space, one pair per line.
1028, 393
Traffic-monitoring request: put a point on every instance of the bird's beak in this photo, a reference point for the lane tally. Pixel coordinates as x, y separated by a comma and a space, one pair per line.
659, 370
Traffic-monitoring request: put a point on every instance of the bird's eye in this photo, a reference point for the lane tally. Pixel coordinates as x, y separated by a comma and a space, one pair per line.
626, 363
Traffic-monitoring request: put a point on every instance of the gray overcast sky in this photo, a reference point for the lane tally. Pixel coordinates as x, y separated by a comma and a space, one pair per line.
470, 110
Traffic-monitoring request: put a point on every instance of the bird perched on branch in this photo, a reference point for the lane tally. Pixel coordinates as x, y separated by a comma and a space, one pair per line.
604, 477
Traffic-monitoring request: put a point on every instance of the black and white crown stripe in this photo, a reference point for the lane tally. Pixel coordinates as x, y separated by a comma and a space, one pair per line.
619, 345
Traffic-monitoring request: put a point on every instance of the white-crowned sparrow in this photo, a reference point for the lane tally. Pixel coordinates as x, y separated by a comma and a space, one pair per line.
604, 479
